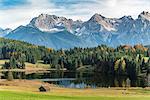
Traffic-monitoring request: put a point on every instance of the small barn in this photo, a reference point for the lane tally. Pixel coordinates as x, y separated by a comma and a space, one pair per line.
1, 75
44, 88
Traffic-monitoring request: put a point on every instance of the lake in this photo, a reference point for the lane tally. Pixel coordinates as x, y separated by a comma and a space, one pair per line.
76, 79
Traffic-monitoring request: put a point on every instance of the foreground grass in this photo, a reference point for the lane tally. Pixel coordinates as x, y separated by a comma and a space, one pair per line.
14, 95
28, 90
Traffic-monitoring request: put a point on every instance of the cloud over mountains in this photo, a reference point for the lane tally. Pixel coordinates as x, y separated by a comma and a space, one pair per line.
18, 12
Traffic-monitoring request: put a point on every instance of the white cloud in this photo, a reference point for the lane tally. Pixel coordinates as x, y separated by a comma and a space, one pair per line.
110, 8
14, 17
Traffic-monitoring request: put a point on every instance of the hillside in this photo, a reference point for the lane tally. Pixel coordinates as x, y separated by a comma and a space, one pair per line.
30, 52
56, 40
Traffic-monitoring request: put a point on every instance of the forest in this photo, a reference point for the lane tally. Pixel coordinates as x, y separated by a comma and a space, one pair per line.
121, 63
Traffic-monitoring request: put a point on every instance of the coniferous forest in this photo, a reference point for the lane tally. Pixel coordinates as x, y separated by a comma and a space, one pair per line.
121, 63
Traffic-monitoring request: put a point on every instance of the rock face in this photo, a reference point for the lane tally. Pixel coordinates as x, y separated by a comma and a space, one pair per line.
60, 32
52, 23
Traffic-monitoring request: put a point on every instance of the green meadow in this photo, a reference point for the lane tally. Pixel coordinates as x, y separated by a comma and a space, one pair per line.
22, 95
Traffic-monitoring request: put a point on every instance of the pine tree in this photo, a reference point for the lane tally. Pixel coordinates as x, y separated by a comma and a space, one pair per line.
10, 76
12, 62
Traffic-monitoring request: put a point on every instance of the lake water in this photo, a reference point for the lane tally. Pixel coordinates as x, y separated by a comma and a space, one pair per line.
64, 79
76, 79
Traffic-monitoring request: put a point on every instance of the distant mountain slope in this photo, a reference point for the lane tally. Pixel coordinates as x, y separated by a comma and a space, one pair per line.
60, 32
4, 32
55, 40
148, 46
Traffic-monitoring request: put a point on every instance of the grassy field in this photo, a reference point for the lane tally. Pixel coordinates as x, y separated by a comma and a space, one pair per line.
15, 95
28, 90
9, 95
39, 64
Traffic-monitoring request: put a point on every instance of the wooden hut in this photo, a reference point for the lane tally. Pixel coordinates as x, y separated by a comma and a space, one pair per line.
1, 75
44, 88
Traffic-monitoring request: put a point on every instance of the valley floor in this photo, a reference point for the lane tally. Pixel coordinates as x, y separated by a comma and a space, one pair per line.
28, 90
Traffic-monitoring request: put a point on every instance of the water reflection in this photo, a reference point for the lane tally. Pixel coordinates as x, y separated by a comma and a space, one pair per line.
77, 79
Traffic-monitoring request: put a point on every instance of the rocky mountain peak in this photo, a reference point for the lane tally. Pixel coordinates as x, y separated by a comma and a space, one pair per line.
126, 18
98, 20
144, 15
97, 17
51, 23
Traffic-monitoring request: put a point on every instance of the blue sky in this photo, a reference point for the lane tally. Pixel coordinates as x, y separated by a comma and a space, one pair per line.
19, 12
8, 4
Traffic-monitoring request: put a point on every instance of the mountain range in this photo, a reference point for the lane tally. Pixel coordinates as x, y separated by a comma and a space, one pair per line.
59, 32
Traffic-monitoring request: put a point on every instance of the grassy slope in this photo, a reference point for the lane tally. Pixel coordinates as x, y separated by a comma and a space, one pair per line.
10, 95
28, 90
39, 64
146, 59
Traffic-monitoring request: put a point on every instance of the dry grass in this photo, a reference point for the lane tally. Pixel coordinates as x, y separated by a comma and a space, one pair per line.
30, 68
21, 85
28, 90
39, 64
2, 62
32, 86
